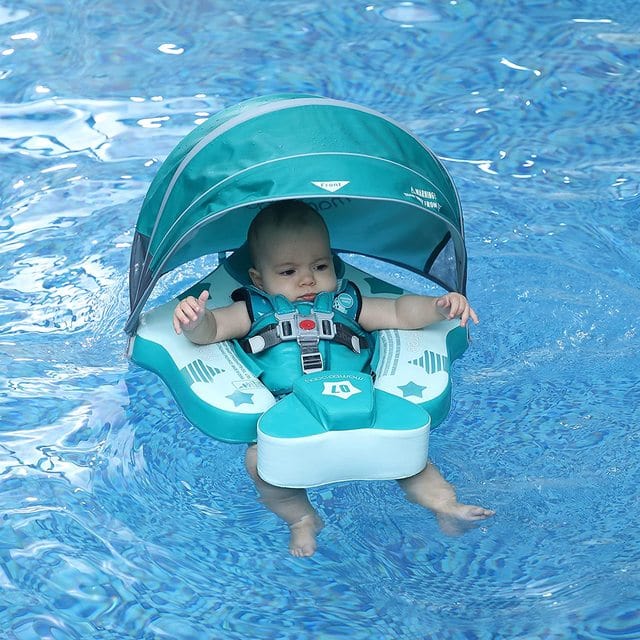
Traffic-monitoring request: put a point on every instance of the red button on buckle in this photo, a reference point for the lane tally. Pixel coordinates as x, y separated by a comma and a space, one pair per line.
307, 325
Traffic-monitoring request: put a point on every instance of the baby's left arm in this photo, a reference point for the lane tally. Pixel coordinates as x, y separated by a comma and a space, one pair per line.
414, 312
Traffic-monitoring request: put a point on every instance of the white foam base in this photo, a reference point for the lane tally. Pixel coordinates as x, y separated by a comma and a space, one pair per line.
340, 456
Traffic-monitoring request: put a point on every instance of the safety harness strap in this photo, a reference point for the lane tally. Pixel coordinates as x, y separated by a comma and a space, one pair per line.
307, 331
269, 337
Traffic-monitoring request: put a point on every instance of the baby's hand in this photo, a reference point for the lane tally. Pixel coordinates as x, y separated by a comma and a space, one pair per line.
455, 305
189, 312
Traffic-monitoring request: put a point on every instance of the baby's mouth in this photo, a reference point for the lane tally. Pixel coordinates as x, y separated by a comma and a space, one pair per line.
308, 297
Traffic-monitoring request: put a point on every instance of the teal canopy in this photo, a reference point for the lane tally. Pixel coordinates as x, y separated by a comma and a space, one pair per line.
381, 191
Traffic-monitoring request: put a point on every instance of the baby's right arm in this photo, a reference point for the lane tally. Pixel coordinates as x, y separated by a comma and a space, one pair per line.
205, 326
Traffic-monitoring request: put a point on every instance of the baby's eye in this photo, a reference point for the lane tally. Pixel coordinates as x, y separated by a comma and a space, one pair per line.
322, 267
287, 272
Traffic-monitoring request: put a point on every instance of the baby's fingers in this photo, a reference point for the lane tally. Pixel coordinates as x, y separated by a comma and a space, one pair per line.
191, 308
467, 313
186, 314
179, 320
457, 307
464, 316
176, 325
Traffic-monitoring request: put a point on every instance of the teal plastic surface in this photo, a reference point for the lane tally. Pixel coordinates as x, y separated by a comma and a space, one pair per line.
221, 425
338, 401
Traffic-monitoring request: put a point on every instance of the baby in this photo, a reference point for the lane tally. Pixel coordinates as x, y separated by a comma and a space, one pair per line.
289, 246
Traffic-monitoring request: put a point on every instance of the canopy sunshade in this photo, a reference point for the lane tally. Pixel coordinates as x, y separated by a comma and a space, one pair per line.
381, 191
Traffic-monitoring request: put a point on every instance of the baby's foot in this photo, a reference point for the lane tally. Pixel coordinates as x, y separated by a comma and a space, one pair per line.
455, 518
302, 542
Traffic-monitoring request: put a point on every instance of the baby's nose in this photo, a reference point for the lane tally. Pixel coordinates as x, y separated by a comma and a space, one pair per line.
306, 276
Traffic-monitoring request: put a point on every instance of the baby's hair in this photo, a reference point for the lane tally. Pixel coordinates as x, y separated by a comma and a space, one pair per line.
284, 214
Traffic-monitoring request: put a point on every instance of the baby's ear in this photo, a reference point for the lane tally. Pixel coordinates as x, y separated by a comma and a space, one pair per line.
256, 278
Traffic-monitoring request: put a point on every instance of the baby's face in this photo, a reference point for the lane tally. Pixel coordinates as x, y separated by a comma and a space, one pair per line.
296, 264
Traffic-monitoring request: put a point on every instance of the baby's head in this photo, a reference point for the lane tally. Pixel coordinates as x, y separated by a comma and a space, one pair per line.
289, 246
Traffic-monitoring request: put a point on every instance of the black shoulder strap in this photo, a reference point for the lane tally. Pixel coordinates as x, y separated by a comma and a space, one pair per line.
243, 295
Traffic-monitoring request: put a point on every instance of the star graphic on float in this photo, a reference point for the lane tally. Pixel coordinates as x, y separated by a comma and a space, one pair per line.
379, 286
240, 397
411, 389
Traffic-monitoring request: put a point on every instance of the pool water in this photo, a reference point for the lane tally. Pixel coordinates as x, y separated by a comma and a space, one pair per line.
120, 520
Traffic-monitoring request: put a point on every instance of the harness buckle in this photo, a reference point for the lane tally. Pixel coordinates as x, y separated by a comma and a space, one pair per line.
294, 326
307, 331
310, 356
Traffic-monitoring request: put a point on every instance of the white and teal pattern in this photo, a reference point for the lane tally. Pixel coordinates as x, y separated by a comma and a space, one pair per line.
198, 371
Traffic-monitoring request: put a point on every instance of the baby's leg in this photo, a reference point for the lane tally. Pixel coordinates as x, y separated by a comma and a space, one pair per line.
429, 489
292, 505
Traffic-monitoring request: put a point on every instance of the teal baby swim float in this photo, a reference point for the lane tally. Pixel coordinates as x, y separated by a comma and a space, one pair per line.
383, 194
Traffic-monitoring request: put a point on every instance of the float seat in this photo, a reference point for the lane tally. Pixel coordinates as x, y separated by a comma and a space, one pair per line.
336, 427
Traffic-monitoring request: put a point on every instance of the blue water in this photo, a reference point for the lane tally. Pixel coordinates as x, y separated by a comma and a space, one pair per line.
120, 520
